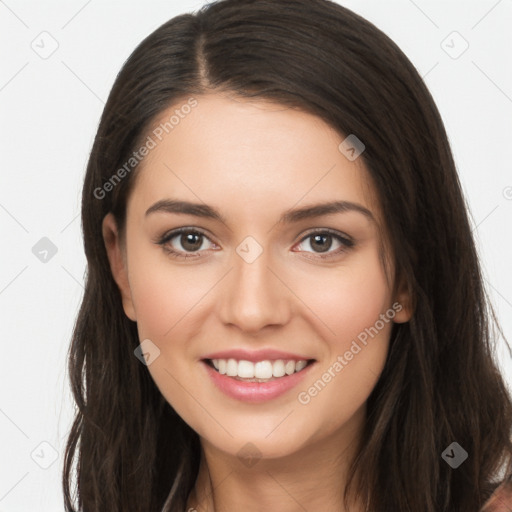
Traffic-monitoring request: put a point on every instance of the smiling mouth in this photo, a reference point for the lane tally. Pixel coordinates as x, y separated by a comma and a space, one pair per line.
260, 371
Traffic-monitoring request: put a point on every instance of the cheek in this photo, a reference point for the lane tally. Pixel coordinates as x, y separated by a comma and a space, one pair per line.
347, 299
167, 302
164, 294
338, 305
352, 303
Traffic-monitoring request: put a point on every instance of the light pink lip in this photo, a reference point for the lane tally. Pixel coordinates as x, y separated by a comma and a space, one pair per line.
255, 392
256, 355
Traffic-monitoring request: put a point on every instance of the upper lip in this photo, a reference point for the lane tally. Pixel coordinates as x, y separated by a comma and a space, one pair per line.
256, 355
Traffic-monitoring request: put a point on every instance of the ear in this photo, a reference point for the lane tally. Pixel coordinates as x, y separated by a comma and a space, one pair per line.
117, 258
403, 303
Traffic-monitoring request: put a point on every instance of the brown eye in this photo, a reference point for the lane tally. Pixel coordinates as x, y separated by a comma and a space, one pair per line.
321, 243
185, 243
191, 241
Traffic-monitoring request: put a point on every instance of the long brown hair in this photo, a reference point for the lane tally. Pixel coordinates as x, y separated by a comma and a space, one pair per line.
127, 447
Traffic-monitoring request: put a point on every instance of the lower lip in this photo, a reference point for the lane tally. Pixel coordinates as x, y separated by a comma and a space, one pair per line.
255, 392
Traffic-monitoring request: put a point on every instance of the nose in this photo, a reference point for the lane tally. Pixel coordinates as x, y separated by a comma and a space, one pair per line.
253, 296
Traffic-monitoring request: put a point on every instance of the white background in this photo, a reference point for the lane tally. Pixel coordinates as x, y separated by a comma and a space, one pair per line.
49, 111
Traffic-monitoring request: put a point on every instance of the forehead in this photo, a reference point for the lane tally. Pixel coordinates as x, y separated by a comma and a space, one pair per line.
227, 150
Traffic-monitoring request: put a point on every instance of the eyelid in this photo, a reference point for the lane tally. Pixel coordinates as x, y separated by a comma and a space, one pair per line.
169, 235
184, 229
346, 241
337, 234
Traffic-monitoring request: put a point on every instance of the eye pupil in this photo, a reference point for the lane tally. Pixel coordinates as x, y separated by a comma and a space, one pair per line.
191, 241
324, 242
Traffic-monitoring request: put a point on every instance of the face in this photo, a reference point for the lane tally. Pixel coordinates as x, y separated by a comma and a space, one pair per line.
231, 261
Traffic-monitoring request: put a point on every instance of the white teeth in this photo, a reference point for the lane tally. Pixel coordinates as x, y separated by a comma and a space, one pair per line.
246, 369
263, 370
260, 370
300, 365
289, 367
278, 368
232, 368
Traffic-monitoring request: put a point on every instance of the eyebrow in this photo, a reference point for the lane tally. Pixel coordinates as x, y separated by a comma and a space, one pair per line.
288, 217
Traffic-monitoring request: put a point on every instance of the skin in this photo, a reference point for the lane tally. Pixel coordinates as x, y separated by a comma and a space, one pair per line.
252, 160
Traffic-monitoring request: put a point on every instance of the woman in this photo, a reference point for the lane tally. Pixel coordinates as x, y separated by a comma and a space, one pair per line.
284, 308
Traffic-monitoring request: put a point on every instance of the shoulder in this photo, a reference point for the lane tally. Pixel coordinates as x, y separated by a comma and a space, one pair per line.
500, 500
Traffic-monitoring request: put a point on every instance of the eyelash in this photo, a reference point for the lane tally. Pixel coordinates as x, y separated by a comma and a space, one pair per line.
346, 242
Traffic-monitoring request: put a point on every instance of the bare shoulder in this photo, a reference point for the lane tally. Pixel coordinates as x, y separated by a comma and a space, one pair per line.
501, 499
